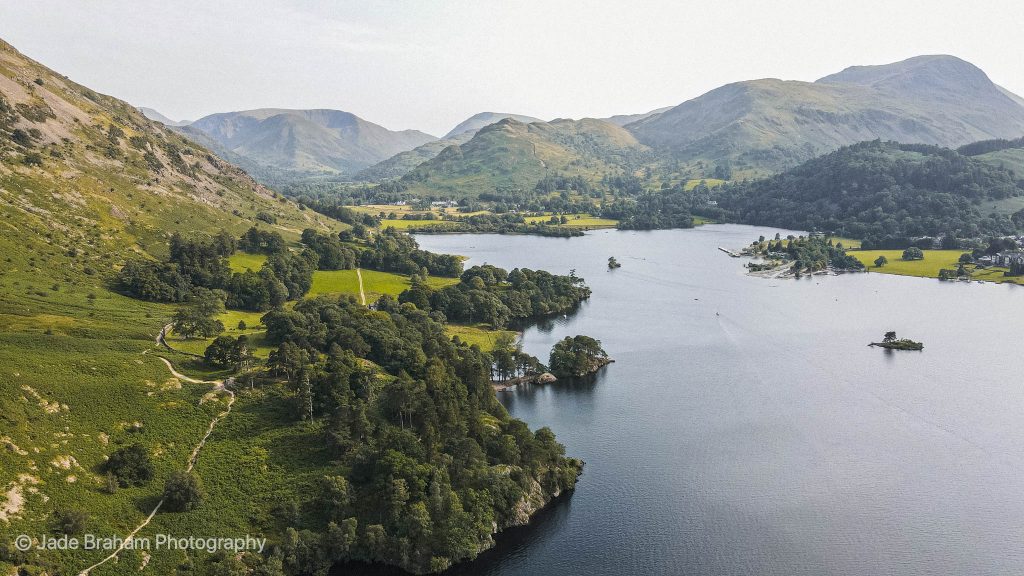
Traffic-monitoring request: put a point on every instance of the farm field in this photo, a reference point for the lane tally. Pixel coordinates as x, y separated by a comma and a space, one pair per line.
375, 283
577, 221
934, 260
402, 224
254, 330
481, 335
242, 261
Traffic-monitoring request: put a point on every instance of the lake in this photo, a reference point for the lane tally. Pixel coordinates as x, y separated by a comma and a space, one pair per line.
747, 428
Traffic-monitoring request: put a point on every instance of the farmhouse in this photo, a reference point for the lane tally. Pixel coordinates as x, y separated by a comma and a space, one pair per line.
1009, 258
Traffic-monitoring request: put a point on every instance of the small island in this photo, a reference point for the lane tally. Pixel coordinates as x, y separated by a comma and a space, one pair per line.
577, 356
613, 263
892, 343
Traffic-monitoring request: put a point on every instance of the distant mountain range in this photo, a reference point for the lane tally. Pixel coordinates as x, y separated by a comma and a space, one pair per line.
158, 117
623, 119
747, 129
768, 125
307, 141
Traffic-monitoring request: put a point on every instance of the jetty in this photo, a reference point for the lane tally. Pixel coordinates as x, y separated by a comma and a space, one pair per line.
732, 253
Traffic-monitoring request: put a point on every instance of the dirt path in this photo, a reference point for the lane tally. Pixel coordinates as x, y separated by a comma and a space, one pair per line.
362, 295
218, 386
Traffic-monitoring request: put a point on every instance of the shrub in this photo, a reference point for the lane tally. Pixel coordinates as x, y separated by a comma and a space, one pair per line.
69, 521
913, 253
183, 491
131, 465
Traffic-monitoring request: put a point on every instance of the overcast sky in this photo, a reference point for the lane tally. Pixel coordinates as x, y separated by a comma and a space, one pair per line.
429, 64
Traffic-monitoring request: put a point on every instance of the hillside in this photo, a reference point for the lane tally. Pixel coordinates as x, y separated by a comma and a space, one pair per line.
87, 182
513, 155
477, 121
768, 125
882, 192
83, 169
381, 441
623, 119
306, 142
404, 162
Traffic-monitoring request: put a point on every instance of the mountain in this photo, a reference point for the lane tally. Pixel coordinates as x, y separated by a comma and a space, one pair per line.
158, 117
623, 119
477, 121
306, 142
513, 155
404, 162
87, 183
885, 193
768, 125
85, 168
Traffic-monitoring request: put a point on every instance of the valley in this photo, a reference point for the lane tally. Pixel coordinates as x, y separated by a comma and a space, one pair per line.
342, 335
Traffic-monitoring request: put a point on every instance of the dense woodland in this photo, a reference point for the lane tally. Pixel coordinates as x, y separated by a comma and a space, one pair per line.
435, 463
808, 254
883, 192
492, 295
194, 265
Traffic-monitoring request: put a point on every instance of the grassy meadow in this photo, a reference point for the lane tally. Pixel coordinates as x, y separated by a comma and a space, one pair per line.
577, 221
242, 261
481, 335
934, 260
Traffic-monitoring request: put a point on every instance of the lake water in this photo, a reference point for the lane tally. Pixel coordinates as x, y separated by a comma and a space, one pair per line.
746, 428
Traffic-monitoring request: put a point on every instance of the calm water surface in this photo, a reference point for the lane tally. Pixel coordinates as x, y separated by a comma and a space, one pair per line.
768, 439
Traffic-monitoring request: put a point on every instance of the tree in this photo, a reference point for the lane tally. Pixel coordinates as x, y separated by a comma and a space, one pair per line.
288, 359
183, 491
131, 465
881, 261
966, 258
504, 355
613, 263
229, 352
913, 253
198, 317
69, 521
889, 337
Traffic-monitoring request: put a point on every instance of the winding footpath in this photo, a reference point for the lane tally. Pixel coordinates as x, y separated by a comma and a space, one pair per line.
362, 295
218, 386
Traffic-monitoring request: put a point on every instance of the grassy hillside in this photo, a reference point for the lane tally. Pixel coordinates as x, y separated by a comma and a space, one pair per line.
768, 125
513, 155
87, 181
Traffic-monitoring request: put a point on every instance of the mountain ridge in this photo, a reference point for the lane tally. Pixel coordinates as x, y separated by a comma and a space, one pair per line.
322, 140
767, 125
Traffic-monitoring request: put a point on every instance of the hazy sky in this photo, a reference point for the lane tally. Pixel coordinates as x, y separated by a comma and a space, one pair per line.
429, 64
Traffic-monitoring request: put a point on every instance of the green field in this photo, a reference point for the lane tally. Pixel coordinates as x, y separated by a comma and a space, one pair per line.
374, 283
577, 221
254, 330
934, 260
242, 261
711, 182
402, 224
480, 335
